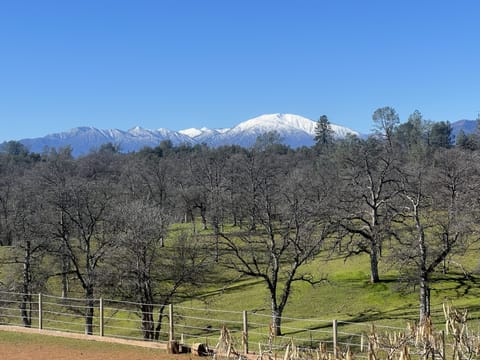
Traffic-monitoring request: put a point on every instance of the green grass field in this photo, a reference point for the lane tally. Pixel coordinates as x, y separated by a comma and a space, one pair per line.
345, 295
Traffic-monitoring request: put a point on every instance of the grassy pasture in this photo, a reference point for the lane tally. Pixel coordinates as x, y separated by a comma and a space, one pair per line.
345, 294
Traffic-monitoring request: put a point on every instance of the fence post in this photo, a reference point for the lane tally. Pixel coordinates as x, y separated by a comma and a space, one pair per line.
170, 322
444, 356
101, 317
245, 333
335, 333
40, 317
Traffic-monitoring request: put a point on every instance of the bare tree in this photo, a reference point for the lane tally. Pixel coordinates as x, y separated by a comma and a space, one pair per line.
28, 244
147, 266
142, 228
438, 215
292, 227
22, 230
8, 178
146, 270
80, 217
53, 178
368, 177
208, 173
186, 266
255, 171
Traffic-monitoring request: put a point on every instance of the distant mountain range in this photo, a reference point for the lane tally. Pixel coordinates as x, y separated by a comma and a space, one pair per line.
294, 130
468, 127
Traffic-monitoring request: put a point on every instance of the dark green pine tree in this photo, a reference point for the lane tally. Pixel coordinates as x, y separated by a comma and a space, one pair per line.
441, 135
323, 132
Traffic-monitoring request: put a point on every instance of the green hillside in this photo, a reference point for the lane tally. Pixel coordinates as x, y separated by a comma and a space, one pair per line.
345, 293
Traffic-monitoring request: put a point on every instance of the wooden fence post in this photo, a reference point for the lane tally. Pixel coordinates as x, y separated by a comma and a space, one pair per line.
335, 333
245, 333
40, 315
171, 333
101, 317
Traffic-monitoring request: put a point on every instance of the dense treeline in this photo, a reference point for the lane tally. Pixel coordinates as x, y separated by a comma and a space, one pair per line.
108, 223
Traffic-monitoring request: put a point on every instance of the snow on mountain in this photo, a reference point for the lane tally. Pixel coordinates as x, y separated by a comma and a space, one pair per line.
203, 135
193, 132
277, 122
294, 131
86, 139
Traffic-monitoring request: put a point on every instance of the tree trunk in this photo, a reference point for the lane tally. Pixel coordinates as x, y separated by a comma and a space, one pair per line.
445, 247
203, 216
147, 322
159, 323
64, 257
424, 297
89, 311
65, 271
276, 320
374, 277
26, 304
216, 231
26, 310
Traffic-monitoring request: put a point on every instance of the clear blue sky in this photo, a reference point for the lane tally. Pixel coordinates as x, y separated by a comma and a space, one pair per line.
214, 63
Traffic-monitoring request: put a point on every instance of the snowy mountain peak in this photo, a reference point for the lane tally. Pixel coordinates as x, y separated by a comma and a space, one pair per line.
193, 132
203, 135
278, 122
295, 130
136, 130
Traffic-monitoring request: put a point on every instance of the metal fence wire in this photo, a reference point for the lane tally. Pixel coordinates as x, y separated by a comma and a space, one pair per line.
248, 332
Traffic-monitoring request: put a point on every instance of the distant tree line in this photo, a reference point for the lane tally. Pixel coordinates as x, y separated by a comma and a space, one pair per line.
110, 223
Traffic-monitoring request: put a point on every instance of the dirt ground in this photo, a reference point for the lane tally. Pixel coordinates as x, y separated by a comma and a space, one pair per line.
49, 350
55, 352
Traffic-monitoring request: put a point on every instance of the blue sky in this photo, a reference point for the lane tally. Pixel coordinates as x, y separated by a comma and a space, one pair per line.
214, 63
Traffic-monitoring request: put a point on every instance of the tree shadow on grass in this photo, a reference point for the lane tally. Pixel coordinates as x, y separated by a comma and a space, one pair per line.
406, 313
232, 287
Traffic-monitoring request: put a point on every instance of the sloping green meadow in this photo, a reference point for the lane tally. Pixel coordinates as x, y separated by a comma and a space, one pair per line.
343, 292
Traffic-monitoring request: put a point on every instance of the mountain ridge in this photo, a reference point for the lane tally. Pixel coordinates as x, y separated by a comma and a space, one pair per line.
294, 130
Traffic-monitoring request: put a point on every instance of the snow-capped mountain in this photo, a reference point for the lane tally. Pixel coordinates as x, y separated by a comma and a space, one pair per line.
86, 139
294, 130
203, 135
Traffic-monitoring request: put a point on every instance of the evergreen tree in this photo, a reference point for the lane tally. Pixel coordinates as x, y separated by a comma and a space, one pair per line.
323, 132
441, 135
467, 141
461, 140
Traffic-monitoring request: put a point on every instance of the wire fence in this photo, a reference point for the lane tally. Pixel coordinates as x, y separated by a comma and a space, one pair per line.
250, 331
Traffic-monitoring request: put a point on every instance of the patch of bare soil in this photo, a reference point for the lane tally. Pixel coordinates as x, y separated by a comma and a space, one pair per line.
24, 350
55, 352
